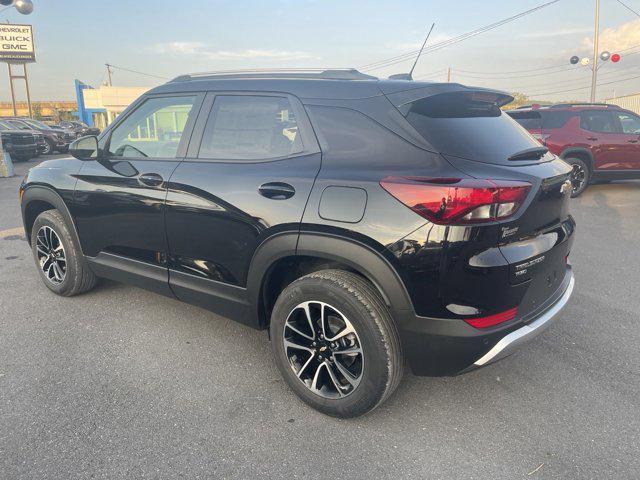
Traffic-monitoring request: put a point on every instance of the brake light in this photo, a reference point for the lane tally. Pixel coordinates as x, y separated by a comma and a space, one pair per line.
492, 320
458, 201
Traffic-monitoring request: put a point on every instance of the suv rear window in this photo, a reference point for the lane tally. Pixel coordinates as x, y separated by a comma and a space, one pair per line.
468, 125
529, 120
540, 119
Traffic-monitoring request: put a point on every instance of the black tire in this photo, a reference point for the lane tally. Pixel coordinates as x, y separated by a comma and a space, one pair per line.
382, 357
580, 176
77, 278
49, 149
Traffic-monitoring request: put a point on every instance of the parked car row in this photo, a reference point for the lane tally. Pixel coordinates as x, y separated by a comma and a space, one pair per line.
26, 138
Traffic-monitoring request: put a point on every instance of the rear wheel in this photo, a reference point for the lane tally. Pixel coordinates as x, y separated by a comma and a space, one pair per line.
580, 175
335, 343
58, 259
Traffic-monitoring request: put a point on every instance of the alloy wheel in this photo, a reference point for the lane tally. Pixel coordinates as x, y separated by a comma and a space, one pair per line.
51, 255
323, 349
578, 178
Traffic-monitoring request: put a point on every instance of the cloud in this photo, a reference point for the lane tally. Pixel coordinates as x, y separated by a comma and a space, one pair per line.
623, 37
555, 33
201, 49
184, 48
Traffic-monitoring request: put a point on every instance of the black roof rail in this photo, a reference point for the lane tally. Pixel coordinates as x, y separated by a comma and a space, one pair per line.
326, 74
581, 104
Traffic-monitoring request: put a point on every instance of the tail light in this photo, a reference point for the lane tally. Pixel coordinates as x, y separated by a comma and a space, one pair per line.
492, 320
458, 201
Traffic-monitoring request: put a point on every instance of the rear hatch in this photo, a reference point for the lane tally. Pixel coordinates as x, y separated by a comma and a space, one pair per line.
469, 129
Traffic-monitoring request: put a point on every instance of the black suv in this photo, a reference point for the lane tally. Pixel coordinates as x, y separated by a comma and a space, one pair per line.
361, 221
21, 145
80, 129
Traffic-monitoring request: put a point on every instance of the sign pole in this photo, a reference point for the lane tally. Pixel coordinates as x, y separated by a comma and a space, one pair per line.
13, 95
26, 82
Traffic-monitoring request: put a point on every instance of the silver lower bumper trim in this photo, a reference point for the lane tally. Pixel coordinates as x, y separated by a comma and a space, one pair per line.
510, 342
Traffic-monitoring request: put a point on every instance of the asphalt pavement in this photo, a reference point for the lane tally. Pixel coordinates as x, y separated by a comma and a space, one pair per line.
122, 383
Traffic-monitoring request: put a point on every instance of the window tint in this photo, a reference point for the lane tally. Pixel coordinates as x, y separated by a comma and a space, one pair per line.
153, 130
598, 121
463, 125
555, 119
529, 120
248, 127
18, 125
630, 123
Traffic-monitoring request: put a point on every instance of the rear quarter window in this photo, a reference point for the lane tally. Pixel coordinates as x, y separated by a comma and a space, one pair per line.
468, 125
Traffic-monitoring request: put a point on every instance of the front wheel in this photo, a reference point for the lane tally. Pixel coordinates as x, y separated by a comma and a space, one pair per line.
59, 260
48, 148
580, 175
335, 343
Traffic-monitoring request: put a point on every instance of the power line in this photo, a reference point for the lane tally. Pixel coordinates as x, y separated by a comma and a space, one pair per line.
571, 82
583, 88
628, 7
565, 69
549, 67
137, 72
445, 43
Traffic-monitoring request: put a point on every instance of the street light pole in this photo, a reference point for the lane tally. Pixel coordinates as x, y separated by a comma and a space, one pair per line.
594, 66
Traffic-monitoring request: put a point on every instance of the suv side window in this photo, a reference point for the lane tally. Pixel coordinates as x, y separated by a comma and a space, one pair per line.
630, 123
250, 127
153, 129
598, 121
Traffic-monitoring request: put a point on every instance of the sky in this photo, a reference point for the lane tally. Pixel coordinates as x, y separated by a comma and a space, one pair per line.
166, 38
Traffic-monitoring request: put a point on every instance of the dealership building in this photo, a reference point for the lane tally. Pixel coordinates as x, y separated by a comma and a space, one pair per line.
100, 106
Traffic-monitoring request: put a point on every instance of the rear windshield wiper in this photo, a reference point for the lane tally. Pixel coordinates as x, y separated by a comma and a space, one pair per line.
535, 153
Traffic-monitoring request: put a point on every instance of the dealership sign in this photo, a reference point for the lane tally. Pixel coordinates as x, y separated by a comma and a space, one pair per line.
16, 43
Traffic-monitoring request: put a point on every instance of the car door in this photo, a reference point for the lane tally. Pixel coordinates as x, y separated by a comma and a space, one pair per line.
119, 198
250, 168
630, 148
601, 133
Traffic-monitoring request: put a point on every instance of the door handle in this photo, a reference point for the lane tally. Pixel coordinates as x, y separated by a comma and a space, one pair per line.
632, 141
151, 179
276, 190
592, 138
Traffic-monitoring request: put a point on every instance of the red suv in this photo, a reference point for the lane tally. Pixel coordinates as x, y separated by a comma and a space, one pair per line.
600, 141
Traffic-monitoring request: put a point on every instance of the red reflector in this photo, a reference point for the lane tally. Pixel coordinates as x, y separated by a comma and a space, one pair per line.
456, 200
491, 320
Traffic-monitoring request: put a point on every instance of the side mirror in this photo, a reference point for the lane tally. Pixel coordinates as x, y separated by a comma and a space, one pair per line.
85, 148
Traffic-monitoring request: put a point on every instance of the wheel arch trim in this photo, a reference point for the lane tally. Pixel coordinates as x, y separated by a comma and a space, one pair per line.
48, 195
581, 151
357, 255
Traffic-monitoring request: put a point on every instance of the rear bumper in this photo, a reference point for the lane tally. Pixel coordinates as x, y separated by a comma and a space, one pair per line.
509, 343
445, 347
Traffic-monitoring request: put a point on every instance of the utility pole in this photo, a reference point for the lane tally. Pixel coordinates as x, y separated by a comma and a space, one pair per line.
594, 67
109, 74
449, 75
